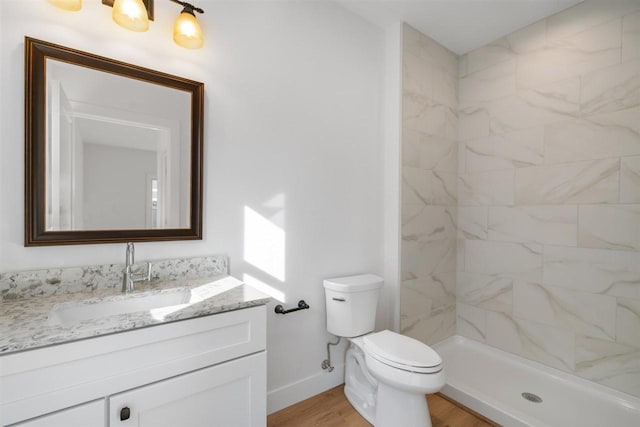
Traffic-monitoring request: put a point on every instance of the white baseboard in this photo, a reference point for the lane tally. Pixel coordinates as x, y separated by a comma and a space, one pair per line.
292, 393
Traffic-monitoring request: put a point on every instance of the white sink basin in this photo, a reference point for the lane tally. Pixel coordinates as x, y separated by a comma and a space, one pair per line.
69, 315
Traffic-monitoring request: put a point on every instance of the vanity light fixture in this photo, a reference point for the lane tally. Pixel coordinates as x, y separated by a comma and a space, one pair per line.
131, 14
135, 15
72, 5
186, 31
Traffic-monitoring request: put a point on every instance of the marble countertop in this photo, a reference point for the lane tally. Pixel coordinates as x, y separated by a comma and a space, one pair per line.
31, 323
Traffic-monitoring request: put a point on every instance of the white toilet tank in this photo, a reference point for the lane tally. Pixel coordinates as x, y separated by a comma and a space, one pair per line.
351, 304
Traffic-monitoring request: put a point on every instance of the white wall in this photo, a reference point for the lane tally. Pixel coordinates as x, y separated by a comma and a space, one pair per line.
392, 174
293, 132
118, 200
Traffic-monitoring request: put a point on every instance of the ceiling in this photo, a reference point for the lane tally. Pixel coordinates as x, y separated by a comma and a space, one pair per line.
460, 25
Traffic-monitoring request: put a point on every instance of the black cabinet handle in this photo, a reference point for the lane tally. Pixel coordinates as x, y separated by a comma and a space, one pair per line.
125, 413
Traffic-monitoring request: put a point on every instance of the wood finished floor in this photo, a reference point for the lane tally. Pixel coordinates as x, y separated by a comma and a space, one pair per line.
331, 409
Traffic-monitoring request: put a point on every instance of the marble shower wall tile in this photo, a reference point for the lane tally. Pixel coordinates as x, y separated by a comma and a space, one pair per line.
418, 44
424, 114
631, 37
410, 211
429, 188
610, 227
580, 312
628, 322
581, 182
549, 193
430, 223
473, 122
415, 304
529, 108
484, 57
459, 254
429, 152
462, 66
555, 225
515, 260
596, 136
415, 312
551, 346
506, 151
630, 179
445, 88
417, 74
432, 328
597, 271
439, 290
611, 89
489, 292
428, 308
611, 364
472, 222
527, 39
462, 148
589, 50
495, 82
471, 322
486, 188
587, 15
421, 259
562, 98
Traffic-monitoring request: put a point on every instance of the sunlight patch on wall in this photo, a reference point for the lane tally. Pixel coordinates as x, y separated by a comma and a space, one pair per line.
264, 244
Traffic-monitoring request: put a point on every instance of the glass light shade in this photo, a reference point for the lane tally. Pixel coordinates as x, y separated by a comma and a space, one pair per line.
131, 14
187, 32
73, 5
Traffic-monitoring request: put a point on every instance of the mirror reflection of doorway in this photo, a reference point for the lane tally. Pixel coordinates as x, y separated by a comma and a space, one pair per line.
154, 203
114, 165
107, 173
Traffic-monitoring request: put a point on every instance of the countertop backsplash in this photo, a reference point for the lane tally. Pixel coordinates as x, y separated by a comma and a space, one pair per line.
57, 281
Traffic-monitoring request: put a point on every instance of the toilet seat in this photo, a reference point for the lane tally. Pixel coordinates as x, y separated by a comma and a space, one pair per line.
402, 352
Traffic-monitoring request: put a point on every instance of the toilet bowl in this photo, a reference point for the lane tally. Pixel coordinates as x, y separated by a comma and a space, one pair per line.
386, 374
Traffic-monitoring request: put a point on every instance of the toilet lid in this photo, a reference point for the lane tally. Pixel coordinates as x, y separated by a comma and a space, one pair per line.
402, 352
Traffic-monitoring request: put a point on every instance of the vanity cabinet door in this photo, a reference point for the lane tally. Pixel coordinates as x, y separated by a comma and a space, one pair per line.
86, 415
228, 394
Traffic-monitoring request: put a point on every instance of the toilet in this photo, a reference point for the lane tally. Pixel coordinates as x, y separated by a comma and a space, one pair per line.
386, 374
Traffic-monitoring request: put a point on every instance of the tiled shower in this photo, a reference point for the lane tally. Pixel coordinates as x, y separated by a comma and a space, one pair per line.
521, 192
429, 188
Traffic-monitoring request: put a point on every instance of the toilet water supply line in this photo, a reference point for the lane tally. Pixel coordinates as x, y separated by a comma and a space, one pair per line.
326, 364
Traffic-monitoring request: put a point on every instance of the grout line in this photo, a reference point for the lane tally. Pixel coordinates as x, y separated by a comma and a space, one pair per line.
620, 180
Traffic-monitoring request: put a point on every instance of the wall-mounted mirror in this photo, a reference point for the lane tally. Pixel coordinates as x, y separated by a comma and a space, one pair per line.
113, 150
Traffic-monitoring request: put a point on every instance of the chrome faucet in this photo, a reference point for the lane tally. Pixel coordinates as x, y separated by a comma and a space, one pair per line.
129, 277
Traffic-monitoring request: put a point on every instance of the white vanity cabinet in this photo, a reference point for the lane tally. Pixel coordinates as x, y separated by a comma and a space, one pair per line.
206, 371
86, 415
223, 395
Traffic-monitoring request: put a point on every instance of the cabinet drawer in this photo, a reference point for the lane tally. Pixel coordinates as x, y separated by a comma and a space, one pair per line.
41, 381
230, 394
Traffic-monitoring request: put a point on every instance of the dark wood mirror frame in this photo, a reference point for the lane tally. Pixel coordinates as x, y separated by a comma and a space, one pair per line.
36, 54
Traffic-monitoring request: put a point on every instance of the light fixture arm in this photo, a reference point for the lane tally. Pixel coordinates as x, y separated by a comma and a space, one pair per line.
188, 7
